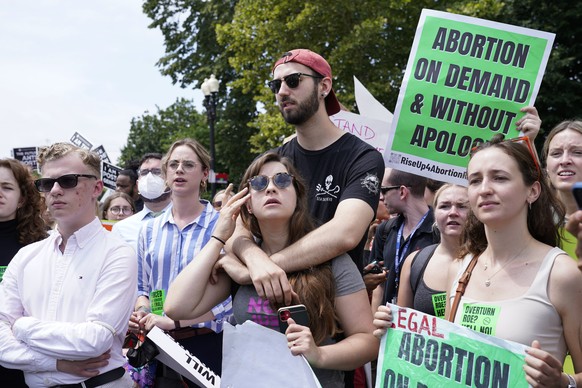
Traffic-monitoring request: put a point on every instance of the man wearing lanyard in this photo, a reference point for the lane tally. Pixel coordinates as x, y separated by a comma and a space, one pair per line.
403, 193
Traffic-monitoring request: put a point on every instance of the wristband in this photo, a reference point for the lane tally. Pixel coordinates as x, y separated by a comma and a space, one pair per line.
143, 308
219, 239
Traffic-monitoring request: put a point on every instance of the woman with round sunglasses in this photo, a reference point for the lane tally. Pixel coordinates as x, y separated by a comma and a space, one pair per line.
21, 223
117, 206
272, 204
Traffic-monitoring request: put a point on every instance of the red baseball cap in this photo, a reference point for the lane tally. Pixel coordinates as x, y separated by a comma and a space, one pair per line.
316, 63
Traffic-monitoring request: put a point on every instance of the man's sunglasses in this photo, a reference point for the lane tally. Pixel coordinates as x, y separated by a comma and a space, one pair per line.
385, 189
44, 185
260, 182
292, 81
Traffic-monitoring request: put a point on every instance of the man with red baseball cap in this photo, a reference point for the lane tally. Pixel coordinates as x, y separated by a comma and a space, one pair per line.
319, 65
343, 174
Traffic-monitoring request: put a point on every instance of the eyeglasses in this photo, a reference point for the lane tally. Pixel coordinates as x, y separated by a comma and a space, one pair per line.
385, 189
154, 171
260, 182
121, 210
187, 165
292, 81
68, 181
524, 140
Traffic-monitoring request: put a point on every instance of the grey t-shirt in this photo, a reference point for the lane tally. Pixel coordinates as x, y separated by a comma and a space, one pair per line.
247, 305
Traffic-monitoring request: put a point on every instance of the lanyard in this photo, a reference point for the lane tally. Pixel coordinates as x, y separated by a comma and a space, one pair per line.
400, 256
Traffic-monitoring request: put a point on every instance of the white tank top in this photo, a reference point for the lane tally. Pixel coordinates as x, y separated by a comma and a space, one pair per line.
524, 319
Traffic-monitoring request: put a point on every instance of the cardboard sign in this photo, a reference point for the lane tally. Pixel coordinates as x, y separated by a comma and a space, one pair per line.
421, 350
466, 80
109, 174
102, 154
78, 140
27, 156
182, 361
372, 131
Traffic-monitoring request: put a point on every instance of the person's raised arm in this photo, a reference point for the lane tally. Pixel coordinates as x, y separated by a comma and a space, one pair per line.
530, 124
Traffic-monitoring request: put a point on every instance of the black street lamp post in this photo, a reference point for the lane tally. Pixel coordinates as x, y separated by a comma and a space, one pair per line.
210, 91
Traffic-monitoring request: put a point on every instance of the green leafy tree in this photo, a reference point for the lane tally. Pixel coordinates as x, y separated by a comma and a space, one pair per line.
240, 40
193, 54
156, 132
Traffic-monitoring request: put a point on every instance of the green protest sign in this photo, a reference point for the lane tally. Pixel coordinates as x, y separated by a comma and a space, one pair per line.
420, 350
465, 81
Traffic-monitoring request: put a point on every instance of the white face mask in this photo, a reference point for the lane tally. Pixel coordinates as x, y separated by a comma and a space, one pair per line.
151, 186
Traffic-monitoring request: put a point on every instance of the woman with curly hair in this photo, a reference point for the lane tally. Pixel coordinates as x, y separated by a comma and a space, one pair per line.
21, 223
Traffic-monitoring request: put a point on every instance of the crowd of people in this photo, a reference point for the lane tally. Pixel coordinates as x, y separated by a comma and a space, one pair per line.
318, 221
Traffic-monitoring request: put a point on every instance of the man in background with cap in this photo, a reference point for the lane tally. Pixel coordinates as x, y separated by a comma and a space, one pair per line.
343, 174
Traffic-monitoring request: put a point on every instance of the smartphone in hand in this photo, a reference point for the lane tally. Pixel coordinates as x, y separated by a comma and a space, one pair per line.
297, 312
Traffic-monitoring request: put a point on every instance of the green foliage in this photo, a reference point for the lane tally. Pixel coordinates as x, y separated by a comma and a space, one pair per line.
371, 40
156, 132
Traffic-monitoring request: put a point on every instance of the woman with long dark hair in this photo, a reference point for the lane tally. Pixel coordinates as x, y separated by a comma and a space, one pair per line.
273, 206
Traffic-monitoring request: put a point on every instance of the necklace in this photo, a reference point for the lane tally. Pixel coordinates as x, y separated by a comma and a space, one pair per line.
488, 281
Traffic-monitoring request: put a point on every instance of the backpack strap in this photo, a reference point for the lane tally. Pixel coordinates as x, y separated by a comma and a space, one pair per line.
462, 285
424, 256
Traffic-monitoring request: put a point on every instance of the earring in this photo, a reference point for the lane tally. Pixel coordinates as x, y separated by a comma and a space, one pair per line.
529, 203
322, 94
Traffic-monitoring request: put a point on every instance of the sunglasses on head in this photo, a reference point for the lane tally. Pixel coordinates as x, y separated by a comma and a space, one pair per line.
68, 181
292, 81
525, 141
260, 182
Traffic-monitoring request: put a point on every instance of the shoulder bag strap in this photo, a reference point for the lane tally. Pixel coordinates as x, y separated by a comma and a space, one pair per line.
463, 281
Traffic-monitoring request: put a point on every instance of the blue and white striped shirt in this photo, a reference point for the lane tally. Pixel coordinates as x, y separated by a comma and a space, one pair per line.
164, 250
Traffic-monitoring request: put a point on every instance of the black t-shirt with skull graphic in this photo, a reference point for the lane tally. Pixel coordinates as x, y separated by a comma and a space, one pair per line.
348, 168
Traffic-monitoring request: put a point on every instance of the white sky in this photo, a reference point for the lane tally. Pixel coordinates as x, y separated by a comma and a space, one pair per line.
71, 66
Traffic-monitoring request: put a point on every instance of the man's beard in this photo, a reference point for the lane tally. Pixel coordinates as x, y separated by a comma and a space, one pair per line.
304, 111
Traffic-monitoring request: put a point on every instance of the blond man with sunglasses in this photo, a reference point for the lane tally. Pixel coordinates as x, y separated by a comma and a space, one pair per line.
65, 300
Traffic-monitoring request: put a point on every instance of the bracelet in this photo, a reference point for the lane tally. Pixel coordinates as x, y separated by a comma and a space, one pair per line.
219, 239
177, 325
143, 308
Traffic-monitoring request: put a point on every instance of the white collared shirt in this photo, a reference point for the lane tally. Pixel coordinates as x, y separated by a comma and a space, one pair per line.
69, 305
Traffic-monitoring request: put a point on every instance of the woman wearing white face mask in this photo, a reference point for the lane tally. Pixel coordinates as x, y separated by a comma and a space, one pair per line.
155, 194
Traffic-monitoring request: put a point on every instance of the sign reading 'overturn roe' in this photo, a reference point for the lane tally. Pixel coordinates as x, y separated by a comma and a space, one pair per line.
465, 81
421, 351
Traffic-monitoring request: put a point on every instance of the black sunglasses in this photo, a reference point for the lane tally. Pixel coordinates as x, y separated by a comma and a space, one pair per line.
260, 182
385, 189
292, 81
44, 185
